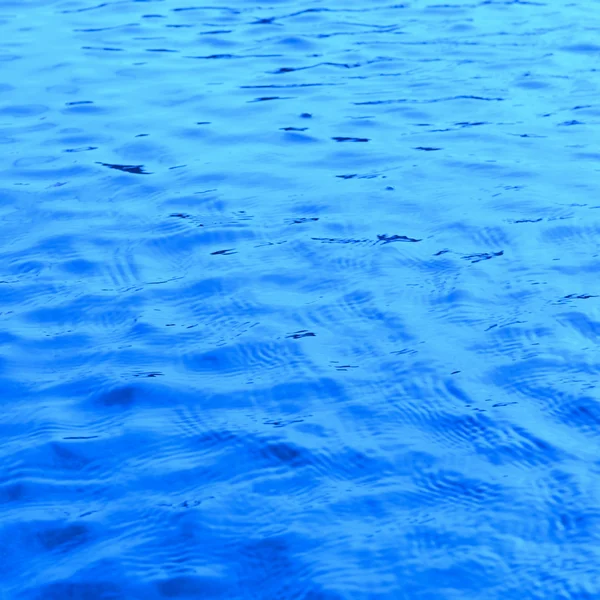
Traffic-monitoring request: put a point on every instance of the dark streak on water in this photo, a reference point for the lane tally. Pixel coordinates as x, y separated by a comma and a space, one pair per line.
339, 341
137, 169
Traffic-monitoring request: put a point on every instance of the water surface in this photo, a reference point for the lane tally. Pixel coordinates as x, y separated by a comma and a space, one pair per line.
299, 300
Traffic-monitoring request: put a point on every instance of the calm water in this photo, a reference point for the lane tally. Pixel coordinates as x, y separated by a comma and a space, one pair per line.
299, 300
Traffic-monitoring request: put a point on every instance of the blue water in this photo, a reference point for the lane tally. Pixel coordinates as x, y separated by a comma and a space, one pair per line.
299, 300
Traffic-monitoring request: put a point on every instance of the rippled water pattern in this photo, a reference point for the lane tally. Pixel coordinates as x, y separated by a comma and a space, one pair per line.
299, 300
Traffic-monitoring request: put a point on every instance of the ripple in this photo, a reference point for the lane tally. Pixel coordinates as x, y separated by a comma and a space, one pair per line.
298, 301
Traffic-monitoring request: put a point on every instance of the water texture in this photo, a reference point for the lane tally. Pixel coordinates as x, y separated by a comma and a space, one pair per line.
299, 300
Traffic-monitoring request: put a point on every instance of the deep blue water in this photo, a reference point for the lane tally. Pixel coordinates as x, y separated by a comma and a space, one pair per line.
299, 300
